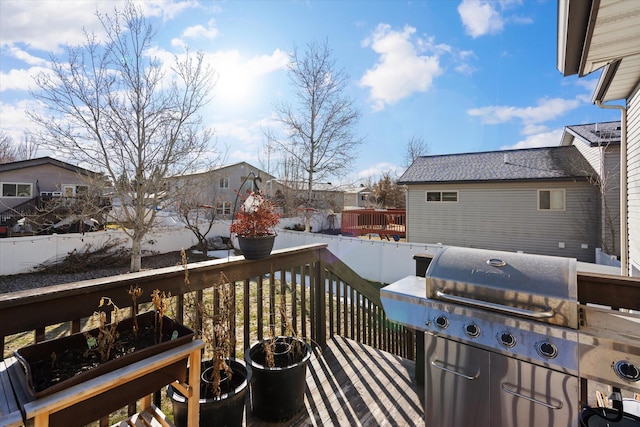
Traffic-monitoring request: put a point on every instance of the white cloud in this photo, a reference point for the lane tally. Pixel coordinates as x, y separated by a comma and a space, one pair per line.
376, 171
546, 109
31, 23
209, 32
19, 79
543, 139
200, 31
24, 56
480, 17
14, 118
401, 70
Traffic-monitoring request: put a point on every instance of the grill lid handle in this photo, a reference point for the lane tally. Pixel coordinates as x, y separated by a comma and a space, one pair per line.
496, 307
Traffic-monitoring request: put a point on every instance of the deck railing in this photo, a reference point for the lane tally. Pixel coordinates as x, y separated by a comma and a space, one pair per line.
322, 295
385, 223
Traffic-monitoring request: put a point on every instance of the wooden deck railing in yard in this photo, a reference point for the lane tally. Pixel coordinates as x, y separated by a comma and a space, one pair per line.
322, 296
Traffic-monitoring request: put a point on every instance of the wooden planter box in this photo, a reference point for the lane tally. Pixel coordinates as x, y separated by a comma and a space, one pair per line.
38, 356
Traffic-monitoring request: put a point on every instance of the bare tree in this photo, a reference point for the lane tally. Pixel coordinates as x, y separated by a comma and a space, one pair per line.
8, 152
415, 148
28, 149
319, 127
117, 109
388, 193
196, 204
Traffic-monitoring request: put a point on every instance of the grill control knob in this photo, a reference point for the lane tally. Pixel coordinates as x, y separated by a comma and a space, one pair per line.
472, 330
546, 349
442, 322
627, 371
507, 339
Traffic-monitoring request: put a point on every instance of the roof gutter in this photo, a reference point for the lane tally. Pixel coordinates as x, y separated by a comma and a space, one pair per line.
573, 23
624, 233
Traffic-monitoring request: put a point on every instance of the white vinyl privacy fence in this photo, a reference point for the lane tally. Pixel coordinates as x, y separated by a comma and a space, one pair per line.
378, 260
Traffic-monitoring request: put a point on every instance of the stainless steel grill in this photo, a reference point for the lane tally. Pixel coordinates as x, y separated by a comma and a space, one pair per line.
536, 287
506, 341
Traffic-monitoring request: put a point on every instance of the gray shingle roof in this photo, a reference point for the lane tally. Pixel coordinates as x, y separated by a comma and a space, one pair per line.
594, 134
563, 162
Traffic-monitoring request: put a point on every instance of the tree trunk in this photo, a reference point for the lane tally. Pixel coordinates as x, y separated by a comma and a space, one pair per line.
136, 254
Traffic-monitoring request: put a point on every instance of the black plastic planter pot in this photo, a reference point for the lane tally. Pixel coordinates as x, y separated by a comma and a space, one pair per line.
277, 394
255, 248
224, 411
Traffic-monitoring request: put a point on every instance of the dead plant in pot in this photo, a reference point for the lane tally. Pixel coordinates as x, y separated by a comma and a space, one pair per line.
279, 365
224, 380
254, 225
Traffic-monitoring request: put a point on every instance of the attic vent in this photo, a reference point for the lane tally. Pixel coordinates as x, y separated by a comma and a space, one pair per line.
506, 158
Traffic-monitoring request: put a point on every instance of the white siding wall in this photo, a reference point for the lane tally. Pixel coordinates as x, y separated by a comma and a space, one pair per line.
633, 173
606, 162
506, 217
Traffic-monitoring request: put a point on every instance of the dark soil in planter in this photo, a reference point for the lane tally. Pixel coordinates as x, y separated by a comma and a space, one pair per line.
74, 362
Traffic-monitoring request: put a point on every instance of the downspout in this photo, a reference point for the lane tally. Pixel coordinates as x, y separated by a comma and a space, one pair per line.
624, 233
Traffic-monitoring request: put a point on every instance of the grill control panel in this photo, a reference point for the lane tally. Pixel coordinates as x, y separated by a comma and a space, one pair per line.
547, 345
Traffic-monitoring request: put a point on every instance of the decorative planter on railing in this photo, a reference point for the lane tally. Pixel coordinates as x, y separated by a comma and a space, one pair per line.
54, 365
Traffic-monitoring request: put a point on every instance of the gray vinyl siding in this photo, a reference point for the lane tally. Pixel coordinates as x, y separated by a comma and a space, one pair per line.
633, 173
46, 177
505, 216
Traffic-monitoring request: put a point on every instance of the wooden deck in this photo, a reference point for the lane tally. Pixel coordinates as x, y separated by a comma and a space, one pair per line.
352, 384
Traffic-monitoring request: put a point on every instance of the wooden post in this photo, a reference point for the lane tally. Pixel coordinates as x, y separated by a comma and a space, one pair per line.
320, 305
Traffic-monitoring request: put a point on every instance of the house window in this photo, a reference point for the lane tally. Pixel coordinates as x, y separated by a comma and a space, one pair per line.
551, 200
223, 208
441, 196
15, 189
224, 183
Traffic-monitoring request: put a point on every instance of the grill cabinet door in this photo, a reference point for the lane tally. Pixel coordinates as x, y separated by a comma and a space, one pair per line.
457, 384
523, 394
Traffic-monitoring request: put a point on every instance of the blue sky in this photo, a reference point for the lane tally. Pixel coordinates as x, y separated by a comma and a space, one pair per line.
465, 75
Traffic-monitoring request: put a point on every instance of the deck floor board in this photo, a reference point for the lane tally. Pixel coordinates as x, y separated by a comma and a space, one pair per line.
351, 384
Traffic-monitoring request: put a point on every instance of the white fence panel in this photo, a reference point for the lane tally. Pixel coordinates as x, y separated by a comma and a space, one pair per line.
378, 260
23, 254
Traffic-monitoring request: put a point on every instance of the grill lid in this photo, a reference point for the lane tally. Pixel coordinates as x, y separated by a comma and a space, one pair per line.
538, 287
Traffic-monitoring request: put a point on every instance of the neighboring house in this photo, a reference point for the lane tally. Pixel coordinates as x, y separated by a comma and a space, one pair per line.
324, 195
359, 197
538, 200
604, 35
599, 143
26, 184
218, 187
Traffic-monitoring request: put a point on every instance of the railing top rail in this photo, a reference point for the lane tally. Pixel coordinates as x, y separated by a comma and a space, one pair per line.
31, 309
